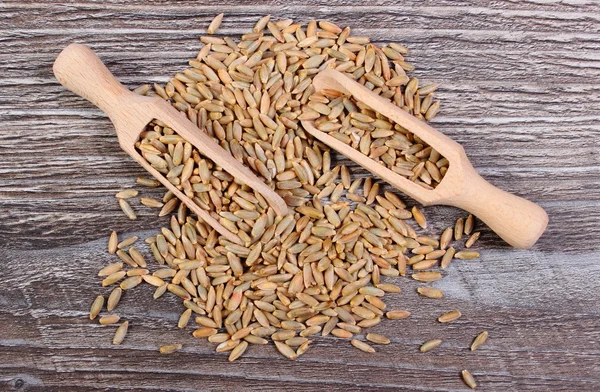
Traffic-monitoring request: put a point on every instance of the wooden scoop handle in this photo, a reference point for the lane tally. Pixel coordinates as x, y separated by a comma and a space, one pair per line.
516, 220
79, 69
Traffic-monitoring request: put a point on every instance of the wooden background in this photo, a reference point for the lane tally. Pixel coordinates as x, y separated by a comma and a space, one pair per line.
520, 90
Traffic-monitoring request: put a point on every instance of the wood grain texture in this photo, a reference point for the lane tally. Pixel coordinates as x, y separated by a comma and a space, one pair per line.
519, 90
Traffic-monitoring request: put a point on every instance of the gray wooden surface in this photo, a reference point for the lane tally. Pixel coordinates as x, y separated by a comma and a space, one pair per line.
520, 90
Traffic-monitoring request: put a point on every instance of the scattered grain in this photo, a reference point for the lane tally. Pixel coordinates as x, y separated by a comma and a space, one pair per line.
447, 258
149, 182
285, 350
397, 314
127, 210
429, 276
458, 229
126, 194
362, 346
114, 298
430, 345
377, 339
466, 255
430, 292
120, 333
450, 316
472, 239
468, 379
479, 340
419, 217
127, 241
215, 24
110, 269
131, 282
469, 224
238, 351
170, 348
112, 242
96, 307
109, 319
445, 238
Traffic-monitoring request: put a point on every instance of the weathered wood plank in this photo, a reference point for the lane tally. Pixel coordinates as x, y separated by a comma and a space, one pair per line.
569, 6
479, 16
518, 145
496, 101
48, 228
503, 60
521, 318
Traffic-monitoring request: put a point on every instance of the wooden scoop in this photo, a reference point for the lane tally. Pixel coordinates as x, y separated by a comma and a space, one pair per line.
79, 69
518, 221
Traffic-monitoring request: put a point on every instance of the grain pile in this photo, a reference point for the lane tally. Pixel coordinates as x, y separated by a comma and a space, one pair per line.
318, 270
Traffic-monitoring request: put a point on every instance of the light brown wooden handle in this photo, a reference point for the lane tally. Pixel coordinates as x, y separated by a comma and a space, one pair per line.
516, 220
79, 69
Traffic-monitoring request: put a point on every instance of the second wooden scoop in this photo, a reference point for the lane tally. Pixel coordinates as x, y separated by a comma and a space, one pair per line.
79, 69
516, 220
